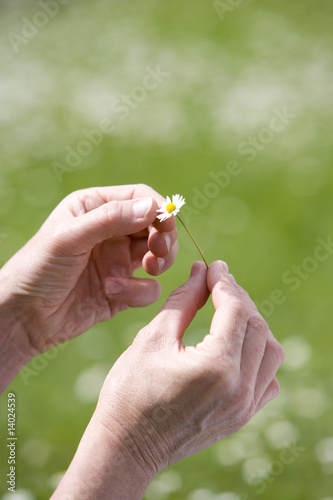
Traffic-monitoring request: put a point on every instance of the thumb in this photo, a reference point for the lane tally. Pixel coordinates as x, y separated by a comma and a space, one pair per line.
116, 218
182, 305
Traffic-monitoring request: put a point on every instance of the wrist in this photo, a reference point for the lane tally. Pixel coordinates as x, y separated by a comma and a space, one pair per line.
103, 467
15, 347
131, 442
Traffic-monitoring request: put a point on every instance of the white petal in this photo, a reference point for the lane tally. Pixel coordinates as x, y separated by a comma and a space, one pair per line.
164, 216
178, 200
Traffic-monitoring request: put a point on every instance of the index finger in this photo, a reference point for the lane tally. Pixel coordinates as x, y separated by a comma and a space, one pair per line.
245, 296
229, 322
94, 197
98, 196
85, 200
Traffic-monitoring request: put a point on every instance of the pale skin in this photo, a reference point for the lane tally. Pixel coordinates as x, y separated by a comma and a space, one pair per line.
64, 279
162, 400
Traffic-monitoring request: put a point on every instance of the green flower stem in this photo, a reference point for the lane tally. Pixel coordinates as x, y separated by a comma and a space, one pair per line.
193, 239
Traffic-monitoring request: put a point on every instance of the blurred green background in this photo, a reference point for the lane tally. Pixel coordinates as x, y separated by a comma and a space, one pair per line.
229, 69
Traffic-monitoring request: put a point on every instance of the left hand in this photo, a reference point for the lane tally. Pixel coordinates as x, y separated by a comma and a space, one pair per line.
164, 401
167, 400
78, 269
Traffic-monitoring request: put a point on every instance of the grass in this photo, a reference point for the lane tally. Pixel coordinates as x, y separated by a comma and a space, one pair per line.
226, 79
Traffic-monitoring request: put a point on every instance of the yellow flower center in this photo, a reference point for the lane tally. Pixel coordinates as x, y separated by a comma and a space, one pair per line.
170, 207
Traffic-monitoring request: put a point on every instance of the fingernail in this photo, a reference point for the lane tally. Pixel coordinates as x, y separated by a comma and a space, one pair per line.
194, 271
113, 287
142, 207
167, 241
161, 263
223, 267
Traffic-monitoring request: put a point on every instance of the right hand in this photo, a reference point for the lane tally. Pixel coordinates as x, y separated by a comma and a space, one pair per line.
78, 268
168, 401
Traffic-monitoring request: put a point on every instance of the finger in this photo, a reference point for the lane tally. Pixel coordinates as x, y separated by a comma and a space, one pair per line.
144, 233
244, 295
254, 347
157, 265
135, 292
182, 305
85, 200
271, 362
270, 393
138, 249
261, 324
229, 322
219, 280
161, 243
167, 225
114, 218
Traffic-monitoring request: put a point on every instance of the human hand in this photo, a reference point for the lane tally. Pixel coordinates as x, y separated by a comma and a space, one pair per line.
78, 269
163, 401
175, 400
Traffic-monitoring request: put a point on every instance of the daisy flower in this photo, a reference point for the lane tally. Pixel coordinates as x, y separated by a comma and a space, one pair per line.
169, 208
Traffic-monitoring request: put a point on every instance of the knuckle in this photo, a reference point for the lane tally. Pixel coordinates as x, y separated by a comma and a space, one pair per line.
143, 187
77, 194
245, 418
275, 387
280, 353
277, 351
257, 322
185, 291
238, 308
83, 198
113, 216
113, 208
179, 292
245, 293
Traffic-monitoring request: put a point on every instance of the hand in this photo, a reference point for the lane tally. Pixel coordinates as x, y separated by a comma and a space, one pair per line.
175, 400
78, 269
163, 401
